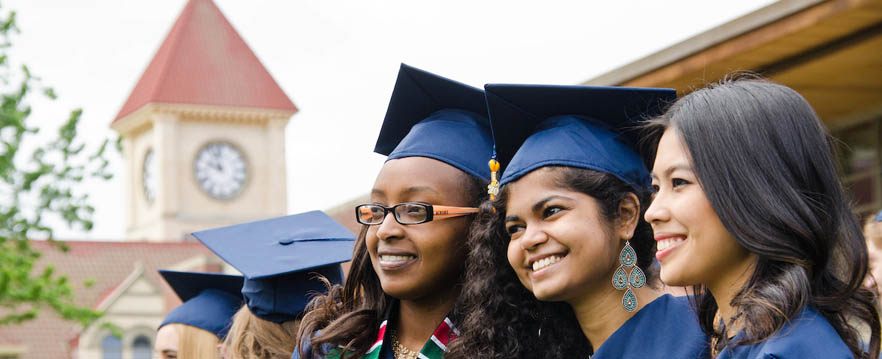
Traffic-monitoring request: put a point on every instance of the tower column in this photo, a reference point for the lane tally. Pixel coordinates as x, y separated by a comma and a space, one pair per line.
277, 199
168, 157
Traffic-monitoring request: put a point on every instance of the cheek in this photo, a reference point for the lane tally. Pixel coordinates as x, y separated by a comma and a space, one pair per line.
711, 248
516, 261
371, 240
442, 245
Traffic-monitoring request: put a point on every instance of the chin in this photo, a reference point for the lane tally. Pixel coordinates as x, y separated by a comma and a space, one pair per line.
674, 278
547, 294
396, 292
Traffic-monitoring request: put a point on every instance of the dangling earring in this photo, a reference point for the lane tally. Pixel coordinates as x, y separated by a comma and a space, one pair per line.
621, 279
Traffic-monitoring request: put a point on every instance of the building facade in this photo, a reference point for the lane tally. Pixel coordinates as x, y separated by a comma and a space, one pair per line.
827, 50
203, 136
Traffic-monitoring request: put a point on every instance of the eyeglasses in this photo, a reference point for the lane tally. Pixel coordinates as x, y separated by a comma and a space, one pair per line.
408, 213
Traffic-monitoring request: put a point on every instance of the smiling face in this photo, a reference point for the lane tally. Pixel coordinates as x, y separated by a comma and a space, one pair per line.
693, 245
420, 260
562, 247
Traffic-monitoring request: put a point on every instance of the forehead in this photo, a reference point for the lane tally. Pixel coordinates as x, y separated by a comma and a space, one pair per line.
167, 338
531, 188
420, 174
670, 151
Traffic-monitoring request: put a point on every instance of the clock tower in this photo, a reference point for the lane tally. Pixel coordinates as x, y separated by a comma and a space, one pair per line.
203, 133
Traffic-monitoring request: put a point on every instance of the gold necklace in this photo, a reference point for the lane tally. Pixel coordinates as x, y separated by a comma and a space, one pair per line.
400, 351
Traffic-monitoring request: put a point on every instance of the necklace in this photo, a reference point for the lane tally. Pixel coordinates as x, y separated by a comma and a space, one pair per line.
400, 351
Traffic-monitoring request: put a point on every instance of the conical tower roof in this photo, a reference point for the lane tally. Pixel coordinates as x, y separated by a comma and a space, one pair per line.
204, 61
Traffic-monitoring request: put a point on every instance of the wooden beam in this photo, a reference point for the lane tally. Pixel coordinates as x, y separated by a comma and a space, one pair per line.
745, 42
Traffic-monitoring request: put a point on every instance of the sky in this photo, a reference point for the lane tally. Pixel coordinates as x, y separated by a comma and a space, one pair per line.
337, 60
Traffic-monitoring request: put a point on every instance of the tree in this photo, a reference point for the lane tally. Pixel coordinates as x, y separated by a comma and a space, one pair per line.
37, 184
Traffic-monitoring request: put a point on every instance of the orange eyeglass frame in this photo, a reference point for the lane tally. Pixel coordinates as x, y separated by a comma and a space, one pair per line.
437, 212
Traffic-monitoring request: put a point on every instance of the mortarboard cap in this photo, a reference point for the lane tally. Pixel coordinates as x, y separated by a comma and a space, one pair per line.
578, 126
279, 257
209, 300
282, 298
431, 116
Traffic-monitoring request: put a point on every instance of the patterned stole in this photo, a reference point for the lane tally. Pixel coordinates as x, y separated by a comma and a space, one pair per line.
433, 349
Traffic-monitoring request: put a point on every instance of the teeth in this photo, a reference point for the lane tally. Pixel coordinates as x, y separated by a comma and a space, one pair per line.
669, 243
388, 258
545, 262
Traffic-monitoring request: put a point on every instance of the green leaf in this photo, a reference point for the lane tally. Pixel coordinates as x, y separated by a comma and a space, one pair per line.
36, 184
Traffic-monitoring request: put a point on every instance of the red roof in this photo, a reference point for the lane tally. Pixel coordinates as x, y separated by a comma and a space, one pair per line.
204, 61
108, 264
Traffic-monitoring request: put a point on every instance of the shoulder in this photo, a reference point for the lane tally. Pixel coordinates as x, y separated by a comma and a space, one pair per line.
808, 335
650, 333
676, 312
306, 344
678, 316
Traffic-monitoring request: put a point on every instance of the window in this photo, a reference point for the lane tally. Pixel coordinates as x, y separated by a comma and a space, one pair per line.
859, 158
141, 348
111, 347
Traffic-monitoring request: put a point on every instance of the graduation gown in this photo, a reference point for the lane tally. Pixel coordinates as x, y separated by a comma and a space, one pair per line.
665, 328
434, 348
807, 335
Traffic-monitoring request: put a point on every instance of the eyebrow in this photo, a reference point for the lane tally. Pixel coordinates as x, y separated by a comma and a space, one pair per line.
538, 206
678, 166
417, 189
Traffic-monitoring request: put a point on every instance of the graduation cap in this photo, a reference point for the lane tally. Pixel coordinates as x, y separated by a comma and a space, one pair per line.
431, 116
578, 126
280, 258
209, 300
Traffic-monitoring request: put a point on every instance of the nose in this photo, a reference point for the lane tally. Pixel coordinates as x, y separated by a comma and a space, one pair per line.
390, 228
658, 211
533, 238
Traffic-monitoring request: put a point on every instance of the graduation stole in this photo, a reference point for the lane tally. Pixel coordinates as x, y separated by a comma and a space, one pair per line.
433, 349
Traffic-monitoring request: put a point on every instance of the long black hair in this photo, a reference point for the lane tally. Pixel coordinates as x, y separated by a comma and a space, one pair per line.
502, 319
765, 163
349, 315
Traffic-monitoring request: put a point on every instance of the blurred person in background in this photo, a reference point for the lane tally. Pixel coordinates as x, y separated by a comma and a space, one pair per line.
196, 328
873, 234
285, 261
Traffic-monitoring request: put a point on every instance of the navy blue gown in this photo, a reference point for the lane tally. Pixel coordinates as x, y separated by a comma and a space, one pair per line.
808, 335
665, 328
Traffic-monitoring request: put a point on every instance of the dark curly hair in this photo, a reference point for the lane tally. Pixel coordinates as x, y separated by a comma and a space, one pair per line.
349, 315
765, 162
502, 319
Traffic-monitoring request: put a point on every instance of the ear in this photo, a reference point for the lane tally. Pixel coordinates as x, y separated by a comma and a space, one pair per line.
629, 216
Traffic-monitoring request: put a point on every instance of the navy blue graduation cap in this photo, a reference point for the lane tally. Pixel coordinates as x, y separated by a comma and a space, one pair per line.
209, 300
280, 258
577, 126
431, 116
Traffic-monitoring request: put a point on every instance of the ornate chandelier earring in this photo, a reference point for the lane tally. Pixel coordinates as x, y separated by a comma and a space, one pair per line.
622, 280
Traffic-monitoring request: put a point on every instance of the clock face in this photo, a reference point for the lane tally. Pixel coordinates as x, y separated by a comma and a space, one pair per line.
148, 176
221, 170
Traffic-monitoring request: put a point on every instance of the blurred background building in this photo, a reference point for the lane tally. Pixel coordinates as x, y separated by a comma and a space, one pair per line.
828, 51
203, 146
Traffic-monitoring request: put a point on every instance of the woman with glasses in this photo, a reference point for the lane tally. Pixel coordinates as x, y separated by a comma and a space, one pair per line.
400, 293
750, 211
560, 262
